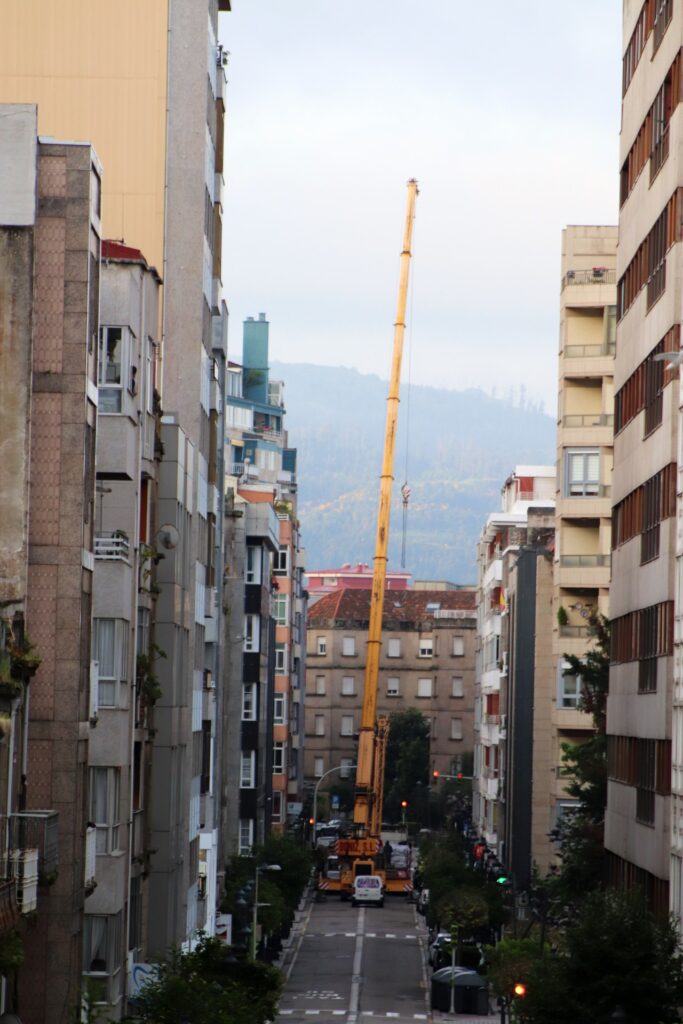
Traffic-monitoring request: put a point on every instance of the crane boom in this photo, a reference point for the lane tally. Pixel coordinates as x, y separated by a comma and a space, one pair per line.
368, 801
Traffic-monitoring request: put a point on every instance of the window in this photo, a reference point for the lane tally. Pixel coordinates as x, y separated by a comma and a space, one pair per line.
248, 769
320, 686
458, 646
346, 764
281, 609
253, 569
393, 686
456, 728
110, 647
321, 645
424, 687
281, 561
569, 687
457, 688
645, 782
278, 807
394, 648
252, 631
348, 686
246, 836
249, 702
348, 646
425, 649
279, 757
318, 767
346, 725
281, 666
239, 417
102, 953
143, 637
113, 368
280, 709
582, 473
319, 725
105, 786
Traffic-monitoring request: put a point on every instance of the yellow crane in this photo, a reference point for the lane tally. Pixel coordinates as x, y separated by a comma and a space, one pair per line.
357, 853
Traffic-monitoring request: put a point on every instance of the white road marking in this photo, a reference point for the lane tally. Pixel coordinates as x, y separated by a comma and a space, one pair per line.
393, 1015
312, 1013
420, 1016
389, 935
349, 935
354, 997
371, 935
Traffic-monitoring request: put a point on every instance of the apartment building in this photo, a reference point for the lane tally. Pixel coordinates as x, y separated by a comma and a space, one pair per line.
49, 278
146, 84
125, 687
644, 825
427, 662
262, 485
514, 794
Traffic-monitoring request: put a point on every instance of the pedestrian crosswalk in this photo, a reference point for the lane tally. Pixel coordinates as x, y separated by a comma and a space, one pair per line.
365, 1014
368, 935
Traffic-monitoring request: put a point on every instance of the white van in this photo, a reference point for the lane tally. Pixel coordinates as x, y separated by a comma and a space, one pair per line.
367, 889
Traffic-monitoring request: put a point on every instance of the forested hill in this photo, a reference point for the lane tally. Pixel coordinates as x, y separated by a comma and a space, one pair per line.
462, 446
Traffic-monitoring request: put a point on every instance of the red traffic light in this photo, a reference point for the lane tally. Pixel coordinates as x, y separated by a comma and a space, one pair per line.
459, 775
311, 821
404, 803
519, 989
435, 774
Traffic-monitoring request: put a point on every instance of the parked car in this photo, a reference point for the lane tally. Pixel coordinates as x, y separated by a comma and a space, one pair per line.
437, 948
423, 901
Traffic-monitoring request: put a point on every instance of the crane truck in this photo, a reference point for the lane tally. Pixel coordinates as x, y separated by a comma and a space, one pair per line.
359, 852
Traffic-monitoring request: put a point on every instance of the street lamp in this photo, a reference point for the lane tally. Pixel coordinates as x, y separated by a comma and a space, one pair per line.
340, 767
254, 913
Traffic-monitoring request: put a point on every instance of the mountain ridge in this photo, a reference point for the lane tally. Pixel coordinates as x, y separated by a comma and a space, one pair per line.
462, 446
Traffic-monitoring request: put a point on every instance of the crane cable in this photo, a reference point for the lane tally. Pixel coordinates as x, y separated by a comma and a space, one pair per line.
405, 489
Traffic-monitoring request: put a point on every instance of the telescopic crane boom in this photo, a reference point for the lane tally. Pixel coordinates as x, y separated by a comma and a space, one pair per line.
367, 812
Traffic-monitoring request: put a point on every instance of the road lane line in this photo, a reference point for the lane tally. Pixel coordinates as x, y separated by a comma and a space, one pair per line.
304, 927
354, 997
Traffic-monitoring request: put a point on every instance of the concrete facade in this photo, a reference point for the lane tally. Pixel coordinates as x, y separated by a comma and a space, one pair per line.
514, 789
53, 287
642, 696
427, 662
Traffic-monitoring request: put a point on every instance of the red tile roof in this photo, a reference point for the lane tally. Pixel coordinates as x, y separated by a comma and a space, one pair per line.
121, 253
349, 604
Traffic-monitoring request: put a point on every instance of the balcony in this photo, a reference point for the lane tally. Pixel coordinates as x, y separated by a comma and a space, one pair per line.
112, 547
593, 419
585, 561
597, 275
589, 351
38, 830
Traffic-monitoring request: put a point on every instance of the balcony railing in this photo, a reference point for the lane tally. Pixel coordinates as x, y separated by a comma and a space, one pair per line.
35, 830
574, 631
589, 351
112, 547
490, 719
597, 419
597, 275
584, 561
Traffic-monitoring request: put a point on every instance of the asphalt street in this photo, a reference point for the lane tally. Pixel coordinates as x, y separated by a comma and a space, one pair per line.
357, 966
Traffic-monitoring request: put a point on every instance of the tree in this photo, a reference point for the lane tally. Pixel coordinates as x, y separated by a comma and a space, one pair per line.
210, 985
509, 962
618, 953
580, 832
407, 760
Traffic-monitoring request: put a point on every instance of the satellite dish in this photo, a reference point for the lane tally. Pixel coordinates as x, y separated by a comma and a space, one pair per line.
168, 537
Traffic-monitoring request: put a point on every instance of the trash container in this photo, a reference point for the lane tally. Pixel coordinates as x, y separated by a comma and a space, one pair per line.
470, 991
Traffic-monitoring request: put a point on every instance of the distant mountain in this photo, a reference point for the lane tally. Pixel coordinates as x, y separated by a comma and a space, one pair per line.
462, 446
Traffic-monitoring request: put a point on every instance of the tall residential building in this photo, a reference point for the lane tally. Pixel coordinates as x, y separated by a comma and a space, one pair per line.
514, 793
427, 662
127, 550
49, 280
644, 706
266, 602
145, 84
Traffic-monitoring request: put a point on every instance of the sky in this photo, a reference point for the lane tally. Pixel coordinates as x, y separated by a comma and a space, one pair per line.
507, 113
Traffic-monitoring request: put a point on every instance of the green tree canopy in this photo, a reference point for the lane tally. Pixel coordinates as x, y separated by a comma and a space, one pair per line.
209, 985
407, 760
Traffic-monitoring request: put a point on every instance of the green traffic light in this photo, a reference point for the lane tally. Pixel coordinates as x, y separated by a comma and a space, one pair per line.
502, 880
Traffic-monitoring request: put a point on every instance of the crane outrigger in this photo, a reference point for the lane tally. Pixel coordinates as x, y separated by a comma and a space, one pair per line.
358, 853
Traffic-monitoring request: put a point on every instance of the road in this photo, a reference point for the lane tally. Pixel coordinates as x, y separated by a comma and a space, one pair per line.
357, 966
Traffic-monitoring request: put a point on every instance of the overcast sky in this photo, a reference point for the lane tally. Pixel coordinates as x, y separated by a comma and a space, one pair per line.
507, 113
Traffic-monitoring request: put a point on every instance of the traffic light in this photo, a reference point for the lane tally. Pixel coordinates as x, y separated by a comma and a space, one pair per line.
520, 990
404, 804
311, 821
435, 775
501, 879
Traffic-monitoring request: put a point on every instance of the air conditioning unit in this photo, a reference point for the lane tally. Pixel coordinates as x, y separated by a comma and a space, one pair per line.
209, 681
25, 870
